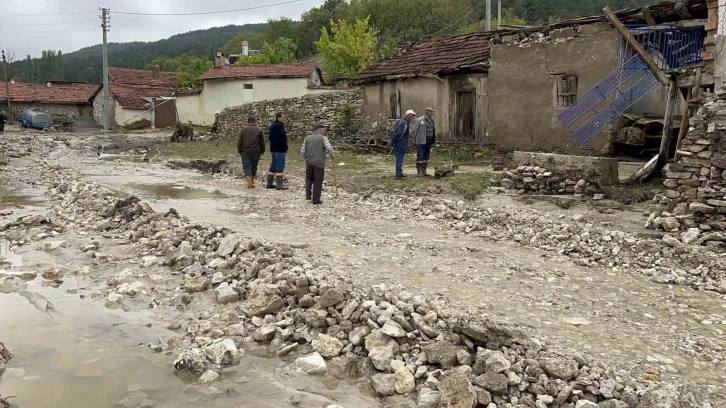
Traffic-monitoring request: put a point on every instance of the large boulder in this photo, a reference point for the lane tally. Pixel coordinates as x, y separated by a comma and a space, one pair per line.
192, 361
493, 382
331, 298
223, 351
405, 383
228, 245
497, 363
314, 364
381, 349
457, 392
327, 346
196, 283
263, 300
384, 384
442, 353
559, 367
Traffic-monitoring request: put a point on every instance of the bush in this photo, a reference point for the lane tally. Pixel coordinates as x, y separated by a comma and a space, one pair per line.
349, 118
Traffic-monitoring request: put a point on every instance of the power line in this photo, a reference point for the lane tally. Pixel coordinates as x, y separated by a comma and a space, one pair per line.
206, 12
22, 23
455, 22
47, 31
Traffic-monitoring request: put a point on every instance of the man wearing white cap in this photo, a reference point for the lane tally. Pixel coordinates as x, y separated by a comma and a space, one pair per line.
399, 141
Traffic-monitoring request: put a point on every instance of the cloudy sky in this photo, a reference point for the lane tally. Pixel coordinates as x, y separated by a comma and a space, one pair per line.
30, 26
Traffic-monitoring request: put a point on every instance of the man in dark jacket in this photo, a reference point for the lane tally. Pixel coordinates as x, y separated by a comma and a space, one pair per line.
250, 146
424, 134
278, 151
3, 119
399, 141
313, 151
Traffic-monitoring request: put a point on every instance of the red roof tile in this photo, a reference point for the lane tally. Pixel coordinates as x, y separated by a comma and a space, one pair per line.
128, 76
132, 96
191, 90
434, 57
260, 71
68, 94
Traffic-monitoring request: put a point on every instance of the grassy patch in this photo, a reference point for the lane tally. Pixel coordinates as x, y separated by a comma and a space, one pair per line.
470, 185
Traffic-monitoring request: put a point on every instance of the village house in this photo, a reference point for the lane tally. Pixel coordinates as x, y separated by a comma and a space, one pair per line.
139, 98
61, 99
541, 88
233, 85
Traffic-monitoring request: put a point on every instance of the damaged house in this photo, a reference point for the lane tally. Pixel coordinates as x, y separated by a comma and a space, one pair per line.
568, 87
139, 98
62, 99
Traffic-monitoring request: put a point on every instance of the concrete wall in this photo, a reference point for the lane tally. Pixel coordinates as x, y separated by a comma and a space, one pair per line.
191, 110
522, 112
719, 57
220, 94
129, 116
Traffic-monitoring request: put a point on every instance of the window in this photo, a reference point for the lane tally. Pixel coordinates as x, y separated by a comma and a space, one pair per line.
248, 86
565, 90
395, 104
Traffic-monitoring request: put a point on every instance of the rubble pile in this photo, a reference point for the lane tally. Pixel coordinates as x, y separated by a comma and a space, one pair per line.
538, 180
693, 207
278, 299
5, 357
20, 147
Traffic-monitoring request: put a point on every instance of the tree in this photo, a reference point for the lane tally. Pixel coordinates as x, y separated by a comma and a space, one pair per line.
351, 49
187, 68
282, 51
308, 30
234, 45
276, 28
508, 17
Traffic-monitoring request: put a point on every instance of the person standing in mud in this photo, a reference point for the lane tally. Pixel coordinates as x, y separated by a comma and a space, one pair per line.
313, 151
278, 151
424, 134
3, 119
251, 146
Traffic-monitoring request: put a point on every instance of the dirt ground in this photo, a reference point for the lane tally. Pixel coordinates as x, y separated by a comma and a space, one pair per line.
631, 322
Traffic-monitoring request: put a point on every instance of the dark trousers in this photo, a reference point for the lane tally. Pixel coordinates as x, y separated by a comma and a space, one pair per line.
400, 157
314, 176
250, 161
423, 154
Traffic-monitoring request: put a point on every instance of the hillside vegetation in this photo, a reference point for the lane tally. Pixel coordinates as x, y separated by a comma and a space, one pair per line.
285, 40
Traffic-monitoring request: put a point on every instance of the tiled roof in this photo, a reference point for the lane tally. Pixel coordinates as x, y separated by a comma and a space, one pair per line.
132, 96
128, 76
191, 90
433, 57
69, 94
260, 71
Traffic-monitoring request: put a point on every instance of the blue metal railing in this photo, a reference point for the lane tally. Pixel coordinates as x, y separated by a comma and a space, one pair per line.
671, 47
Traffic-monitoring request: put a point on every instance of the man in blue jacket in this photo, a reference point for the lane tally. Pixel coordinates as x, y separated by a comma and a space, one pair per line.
278, 151
399, 141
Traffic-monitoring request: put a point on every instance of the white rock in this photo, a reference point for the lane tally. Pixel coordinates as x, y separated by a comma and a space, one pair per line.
149, 261
223, 351
327, 346
393, 329
132, 289
208, 377
314, 364
226, 294
228, 245
115, 298
53, 245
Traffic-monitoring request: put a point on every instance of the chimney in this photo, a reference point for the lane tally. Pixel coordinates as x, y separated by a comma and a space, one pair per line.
245, 48
157, 74
12, 82
48, 84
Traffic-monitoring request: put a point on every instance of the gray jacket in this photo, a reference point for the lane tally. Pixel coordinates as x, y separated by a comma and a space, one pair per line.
313, 150
419, 130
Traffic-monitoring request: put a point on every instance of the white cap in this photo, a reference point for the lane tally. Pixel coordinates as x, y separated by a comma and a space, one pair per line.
410, 112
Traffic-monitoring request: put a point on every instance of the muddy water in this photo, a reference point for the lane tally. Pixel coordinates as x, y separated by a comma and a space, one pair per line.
80, 354
176, 191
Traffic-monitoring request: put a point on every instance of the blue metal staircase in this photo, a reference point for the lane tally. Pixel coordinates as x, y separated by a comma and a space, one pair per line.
624, 99
614, 95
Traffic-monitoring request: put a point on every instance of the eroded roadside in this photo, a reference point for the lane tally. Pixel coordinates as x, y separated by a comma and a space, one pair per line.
378, 240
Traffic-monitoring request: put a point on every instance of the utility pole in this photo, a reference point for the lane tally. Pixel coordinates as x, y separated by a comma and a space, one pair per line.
499, 14
105, 17
489, 15
7, 87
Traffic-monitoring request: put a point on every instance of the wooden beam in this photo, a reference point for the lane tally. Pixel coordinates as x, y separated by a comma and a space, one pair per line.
648, 16
615, 21
684, 125
665, 141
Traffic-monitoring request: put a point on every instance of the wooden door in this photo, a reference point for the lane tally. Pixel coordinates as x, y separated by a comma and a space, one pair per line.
165, 113
465, 108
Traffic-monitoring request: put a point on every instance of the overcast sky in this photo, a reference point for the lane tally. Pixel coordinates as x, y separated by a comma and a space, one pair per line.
68, 25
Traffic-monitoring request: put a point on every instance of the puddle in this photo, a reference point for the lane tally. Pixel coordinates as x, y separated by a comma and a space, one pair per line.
13, 200
7, 257
177, 191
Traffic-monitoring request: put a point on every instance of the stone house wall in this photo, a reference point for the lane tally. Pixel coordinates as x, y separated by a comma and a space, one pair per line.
302, 113
55, 109
98, 109
695, 198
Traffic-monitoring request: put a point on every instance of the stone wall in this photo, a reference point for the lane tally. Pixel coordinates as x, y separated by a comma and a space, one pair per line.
98, 109
695, 200
56, 110
302, 113
547, 173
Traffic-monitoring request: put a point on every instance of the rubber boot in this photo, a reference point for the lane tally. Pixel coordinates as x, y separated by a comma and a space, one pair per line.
270, 181
423, 172
279, 182
250, 182
400, 176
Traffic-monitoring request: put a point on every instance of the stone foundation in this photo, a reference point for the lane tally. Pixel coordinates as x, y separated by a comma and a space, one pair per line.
546, 173
302, 113
695, 200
